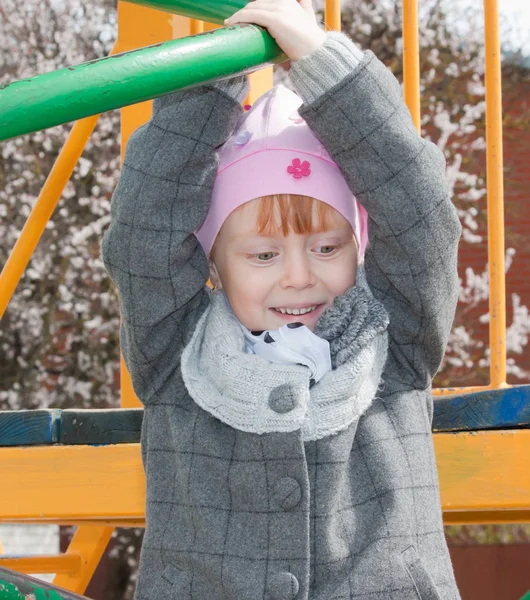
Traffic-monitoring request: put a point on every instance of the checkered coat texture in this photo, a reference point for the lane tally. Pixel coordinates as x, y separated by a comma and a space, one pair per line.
233, 515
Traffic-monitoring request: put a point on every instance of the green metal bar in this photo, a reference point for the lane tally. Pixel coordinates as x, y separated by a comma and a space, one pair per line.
213, 11
99, 85
15, 586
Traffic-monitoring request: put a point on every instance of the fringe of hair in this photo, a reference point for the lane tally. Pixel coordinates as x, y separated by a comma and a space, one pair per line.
295, 214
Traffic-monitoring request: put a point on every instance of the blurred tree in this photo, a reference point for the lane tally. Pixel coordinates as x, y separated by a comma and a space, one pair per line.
59, 341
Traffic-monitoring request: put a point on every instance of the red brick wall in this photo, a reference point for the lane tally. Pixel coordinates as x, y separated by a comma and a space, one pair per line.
492, 572
516, 153
517, 199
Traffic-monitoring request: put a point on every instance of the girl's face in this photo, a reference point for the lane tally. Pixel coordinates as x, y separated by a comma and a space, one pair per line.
260, 275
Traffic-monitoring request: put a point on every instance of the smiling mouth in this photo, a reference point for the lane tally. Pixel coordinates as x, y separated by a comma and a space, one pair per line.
297, 312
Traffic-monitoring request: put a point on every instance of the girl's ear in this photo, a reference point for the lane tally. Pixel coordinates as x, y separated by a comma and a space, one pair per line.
214, 275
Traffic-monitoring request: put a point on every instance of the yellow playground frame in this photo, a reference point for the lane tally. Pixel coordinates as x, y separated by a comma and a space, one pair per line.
483, 475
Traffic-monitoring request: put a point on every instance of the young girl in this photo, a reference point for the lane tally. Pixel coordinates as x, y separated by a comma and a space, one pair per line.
287, 429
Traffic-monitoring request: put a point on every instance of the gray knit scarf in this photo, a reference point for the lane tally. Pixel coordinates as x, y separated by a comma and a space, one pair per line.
252, 394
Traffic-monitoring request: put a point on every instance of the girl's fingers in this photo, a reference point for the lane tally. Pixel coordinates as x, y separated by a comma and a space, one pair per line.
253, 4
291, 23
307, 5
258, 17
270, 5
248, 14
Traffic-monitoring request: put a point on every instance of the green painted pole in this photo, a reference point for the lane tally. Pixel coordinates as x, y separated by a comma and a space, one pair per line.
122, 79
213, 11
15, 586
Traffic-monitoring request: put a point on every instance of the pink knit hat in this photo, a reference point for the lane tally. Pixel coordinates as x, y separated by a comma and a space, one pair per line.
275, 152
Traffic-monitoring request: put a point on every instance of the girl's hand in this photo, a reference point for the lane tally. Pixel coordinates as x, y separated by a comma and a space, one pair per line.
292, 23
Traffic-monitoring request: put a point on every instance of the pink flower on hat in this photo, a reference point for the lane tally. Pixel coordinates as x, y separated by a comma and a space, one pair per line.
299, 170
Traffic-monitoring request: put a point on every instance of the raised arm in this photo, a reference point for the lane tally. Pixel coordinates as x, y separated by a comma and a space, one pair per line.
149, 250
354, 105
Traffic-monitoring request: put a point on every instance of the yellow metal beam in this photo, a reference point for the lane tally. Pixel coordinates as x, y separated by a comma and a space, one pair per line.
114, 521
483, 473
196, 26
61, 563
45, 205
333, 21
411, 60
485, 517
260, 82
46, 483
88, 545
138, 27
43, 208
497, 301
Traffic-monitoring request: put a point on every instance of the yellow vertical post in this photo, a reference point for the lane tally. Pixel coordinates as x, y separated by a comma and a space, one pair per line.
260, 82
497, 302
411, 60
138, 27
196, 27
89, 543
333, 21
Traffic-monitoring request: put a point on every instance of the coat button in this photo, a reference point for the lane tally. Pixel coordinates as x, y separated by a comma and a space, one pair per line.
287, 492
282, 399
282, 586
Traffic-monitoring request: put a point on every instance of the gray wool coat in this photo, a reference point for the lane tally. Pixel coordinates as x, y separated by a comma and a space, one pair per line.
238, 515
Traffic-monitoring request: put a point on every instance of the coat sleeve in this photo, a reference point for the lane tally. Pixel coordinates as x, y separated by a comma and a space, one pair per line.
149, 249
414, 230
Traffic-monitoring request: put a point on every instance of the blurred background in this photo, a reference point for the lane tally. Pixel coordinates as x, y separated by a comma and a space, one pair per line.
59, 344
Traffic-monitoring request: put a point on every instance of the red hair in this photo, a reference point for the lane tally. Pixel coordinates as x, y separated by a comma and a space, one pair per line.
295, 214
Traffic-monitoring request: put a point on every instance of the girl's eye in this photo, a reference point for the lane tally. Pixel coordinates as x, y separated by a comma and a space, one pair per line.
267, 255
326, 249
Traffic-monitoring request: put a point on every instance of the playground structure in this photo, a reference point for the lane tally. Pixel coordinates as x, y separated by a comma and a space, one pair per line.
84, 467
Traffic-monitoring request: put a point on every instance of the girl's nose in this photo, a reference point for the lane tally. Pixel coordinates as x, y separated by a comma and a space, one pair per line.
297, 273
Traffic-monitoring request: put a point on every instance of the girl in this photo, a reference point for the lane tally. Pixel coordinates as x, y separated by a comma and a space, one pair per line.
287, 428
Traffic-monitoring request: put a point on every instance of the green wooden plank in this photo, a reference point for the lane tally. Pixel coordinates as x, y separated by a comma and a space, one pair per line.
29, 427
108, 426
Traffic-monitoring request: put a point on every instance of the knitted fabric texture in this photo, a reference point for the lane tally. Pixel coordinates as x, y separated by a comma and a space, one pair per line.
236, 387
314, 74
